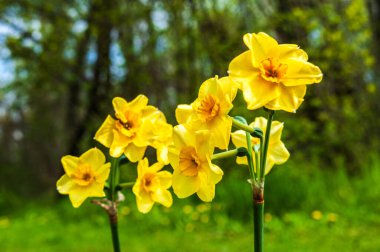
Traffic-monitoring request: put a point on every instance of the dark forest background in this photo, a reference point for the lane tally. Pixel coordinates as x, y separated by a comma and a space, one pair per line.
62, 62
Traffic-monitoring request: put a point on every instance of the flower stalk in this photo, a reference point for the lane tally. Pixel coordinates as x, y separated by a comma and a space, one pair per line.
112, 209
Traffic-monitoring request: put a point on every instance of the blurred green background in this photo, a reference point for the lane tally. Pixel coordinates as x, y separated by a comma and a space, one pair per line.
62, 62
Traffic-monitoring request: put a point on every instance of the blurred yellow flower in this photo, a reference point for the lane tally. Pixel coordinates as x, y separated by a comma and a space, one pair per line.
152, 186
210, 110
273, 75
190, 157
277, 152
135, 126
85, 176
316, 215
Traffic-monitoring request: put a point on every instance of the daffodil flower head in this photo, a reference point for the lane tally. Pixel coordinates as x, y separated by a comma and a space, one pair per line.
131, 130
85, 176
190, 157
273, 75
210, 110
152, 186
277, 152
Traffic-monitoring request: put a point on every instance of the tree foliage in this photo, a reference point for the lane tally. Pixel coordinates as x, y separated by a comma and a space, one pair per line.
69, 58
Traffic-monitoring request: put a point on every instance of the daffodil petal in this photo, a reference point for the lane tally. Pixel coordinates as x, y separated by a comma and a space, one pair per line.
206, 191
260, 45
134, 153
104, 135
286, 51
184, 186
142, 166
156, 167
144, 202
276, 131
241, 69
239, 139
138, 103
94, 157
103, 172
70, 164
221, 132
173, 156
301, 72
77, 199
181, 137
65, 184
96, 189
162, 154
289, 99
183, 113
216, 173
120, 142
202, 142
278, 152
163, 197
120, 106
165, 179
259, 92
229, 87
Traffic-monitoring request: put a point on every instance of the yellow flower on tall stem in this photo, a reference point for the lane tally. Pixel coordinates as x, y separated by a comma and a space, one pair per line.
190, 157
152, 186
85, 176
277, 152
273, 75
210, 110
132, 129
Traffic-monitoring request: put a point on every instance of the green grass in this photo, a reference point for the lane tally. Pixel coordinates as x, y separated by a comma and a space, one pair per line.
312, 210
62, 229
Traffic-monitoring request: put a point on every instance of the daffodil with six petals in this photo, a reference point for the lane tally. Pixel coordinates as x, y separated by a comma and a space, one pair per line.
85, 176
273, 75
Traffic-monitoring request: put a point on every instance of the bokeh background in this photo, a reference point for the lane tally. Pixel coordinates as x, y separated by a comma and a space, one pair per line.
62, 62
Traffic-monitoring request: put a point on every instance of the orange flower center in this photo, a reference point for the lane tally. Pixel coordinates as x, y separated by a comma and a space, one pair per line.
189, 163
83, 175
209, 107
272, 70
127, 123
150, 182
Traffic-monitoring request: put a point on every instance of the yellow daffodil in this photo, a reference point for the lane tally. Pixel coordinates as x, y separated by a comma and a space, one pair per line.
210, 110
277, 152
190, 157
133, 128
152, 186
85, 176
159, 134
273, 75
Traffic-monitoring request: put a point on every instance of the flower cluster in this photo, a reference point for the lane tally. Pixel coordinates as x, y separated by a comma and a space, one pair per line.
270, 75
134, 126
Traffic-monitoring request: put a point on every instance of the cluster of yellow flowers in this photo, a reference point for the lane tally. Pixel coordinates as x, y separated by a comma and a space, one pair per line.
269, 74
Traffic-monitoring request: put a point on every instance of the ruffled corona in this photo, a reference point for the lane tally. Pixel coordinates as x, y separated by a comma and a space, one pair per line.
210, 110
135, 126
190, 157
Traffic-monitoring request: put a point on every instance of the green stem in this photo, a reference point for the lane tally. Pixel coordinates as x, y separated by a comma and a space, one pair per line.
266, 144
258, 216
121, 186
112, 211
249, 156
225, 154
115, 233
243, 126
